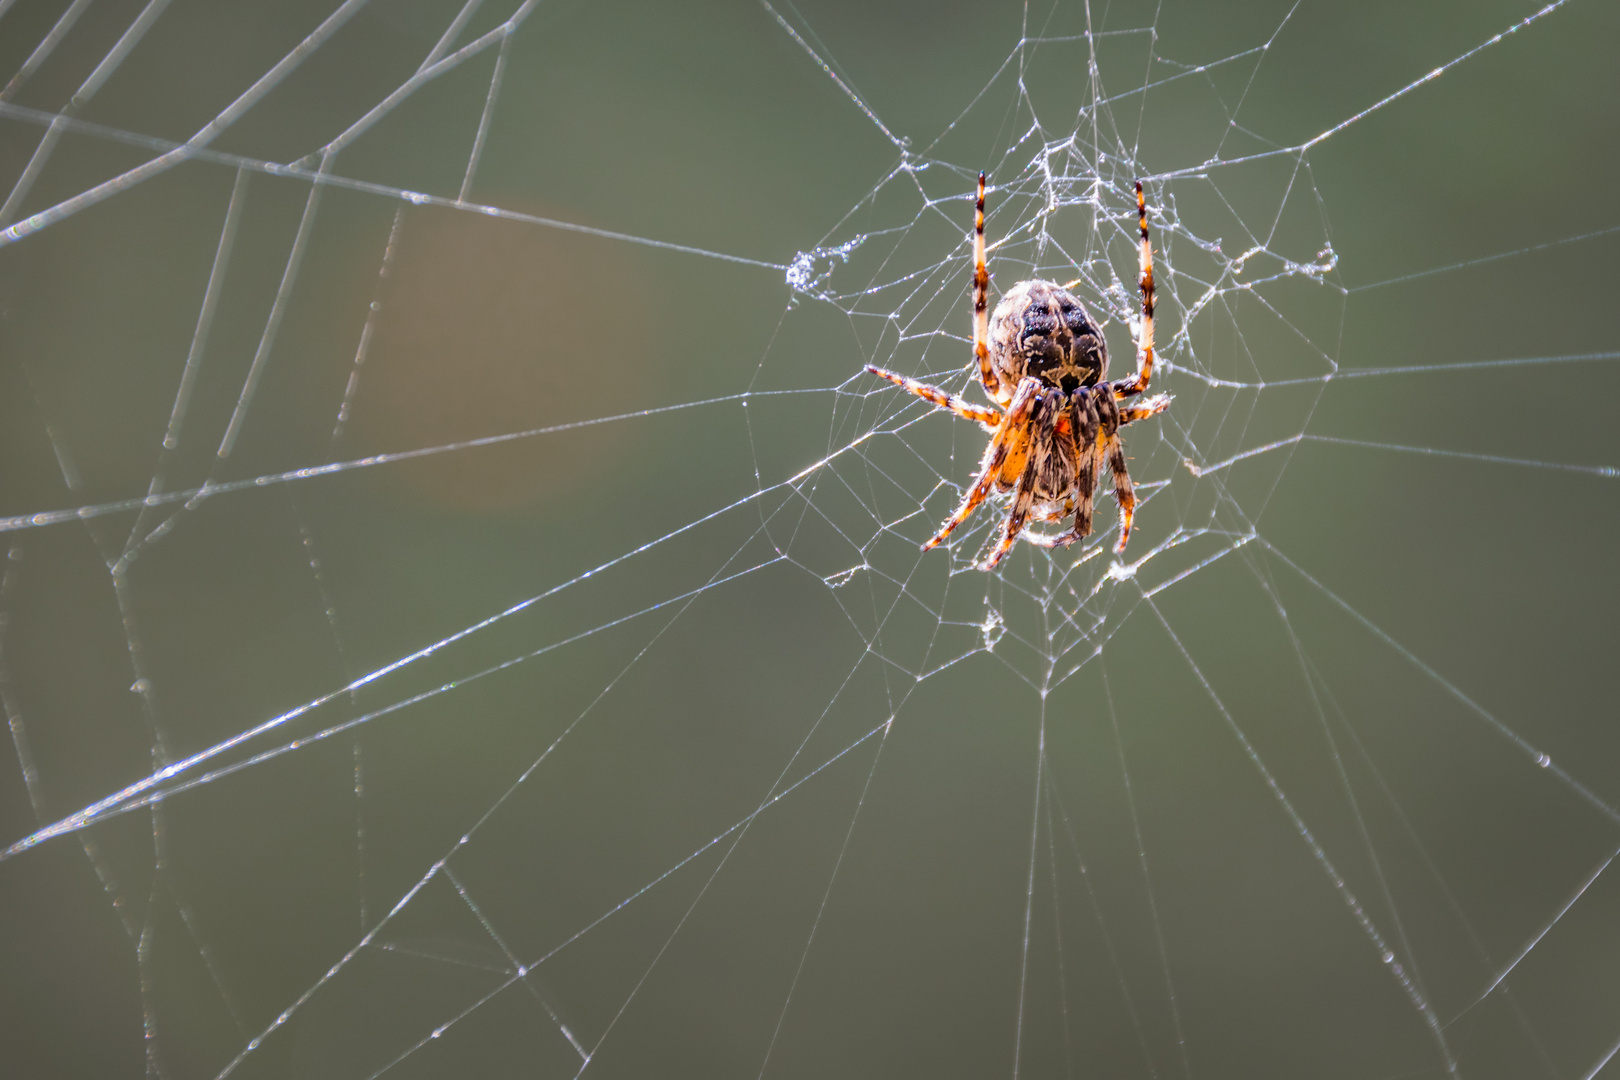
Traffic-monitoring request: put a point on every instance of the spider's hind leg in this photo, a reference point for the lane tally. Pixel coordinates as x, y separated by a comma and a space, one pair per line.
1108, 443
1042, 445
1007, 453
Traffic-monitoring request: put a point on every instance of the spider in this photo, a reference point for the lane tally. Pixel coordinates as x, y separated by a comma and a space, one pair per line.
1042, 361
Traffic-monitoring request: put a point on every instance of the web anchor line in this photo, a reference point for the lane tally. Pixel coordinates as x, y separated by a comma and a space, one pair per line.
312, 173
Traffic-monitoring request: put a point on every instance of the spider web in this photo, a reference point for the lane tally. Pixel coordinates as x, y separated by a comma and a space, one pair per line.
464, 613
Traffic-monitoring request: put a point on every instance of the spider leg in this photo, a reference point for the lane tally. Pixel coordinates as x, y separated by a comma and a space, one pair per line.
1017, 518
988, 418
1153, 406
1108, 443
1020, 442
1089, 451
1048, 407
1139, 382
1007, 454
1084, 407
1000, 393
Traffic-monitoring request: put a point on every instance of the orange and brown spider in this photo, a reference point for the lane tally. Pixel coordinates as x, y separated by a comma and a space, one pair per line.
1042, 360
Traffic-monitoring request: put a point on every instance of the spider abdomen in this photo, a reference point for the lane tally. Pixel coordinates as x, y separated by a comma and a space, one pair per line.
1040, 329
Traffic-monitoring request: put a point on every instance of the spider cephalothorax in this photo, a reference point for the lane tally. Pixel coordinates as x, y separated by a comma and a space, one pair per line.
1043, 361
1040, 329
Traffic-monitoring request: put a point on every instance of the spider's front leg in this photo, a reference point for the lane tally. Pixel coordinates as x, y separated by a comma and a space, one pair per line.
1153, 406
1004, 458
1139, 382
987, 418
999, 392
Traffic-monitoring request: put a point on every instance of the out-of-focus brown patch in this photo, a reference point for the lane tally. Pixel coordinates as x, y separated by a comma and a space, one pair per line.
490, 326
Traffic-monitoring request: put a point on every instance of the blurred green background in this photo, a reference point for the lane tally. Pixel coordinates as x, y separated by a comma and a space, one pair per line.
1097, 880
